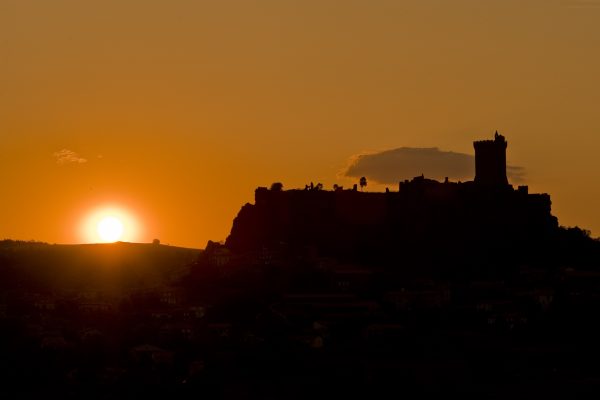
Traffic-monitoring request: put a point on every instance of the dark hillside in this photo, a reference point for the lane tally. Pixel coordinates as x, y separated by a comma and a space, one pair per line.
107, 266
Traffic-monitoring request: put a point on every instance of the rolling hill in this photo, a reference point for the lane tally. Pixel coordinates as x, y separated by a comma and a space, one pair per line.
100, 266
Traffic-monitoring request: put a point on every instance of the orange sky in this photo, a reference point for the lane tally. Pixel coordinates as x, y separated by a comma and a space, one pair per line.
182, 107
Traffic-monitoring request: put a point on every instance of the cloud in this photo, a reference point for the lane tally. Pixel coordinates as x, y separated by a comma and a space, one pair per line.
515, 174
65, 156
392, 166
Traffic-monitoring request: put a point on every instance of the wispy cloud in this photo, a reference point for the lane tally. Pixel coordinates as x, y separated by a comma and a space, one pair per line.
392, 166
65, 156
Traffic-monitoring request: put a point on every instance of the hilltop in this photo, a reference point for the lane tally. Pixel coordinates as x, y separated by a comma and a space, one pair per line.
110, 265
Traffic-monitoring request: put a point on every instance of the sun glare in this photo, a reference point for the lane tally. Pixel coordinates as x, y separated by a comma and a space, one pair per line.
110, 229
110, 224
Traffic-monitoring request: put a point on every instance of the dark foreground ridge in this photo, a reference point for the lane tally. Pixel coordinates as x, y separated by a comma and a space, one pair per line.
433, 289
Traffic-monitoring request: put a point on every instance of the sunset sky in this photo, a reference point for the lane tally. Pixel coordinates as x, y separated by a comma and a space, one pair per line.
172, 112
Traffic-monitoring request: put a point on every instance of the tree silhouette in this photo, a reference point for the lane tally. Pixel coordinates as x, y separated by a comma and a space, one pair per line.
277, 186
363, 183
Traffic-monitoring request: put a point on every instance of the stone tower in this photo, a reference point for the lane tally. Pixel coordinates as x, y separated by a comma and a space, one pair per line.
490, 161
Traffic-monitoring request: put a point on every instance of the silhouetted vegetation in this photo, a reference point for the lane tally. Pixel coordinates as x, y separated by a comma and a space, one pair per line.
277, 187
363, 183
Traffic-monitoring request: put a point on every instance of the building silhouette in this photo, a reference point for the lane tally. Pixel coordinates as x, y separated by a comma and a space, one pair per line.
490, 161
485, 212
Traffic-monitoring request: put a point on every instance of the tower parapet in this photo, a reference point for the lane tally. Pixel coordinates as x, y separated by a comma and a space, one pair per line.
490, 161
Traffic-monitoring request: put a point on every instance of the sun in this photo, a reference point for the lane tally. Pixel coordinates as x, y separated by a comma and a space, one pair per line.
109, 223
110, 229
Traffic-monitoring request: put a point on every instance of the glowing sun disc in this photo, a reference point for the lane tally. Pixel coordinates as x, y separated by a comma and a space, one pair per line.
109, 223
110, 229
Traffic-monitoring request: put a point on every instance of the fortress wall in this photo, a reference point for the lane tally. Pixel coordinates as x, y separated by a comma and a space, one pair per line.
304, 206
424, 211
428, 201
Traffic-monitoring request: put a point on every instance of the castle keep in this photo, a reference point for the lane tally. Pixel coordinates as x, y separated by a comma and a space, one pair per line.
490, 161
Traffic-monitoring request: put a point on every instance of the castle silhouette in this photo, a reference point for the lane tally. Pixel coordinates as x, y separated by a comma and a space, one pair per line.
423, 214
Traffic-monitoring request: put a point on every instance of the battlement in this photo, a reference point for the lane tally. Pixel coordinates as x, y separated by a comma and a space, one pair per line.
498, 141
